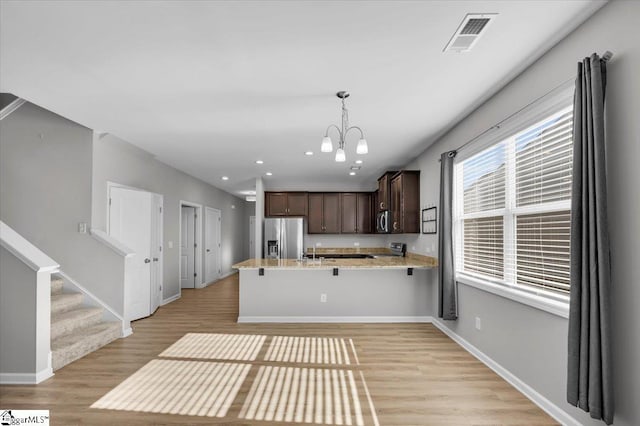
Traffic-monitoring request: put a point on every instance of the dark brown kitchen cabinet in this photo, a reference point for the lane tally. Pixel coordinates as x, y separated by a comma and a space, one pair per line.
324, 213
384, 192
285, 204
355, 209
405, 202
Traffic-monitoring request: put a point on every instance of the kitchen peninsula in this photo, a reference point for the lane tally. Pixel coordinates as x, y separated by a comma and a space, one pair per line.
379, 289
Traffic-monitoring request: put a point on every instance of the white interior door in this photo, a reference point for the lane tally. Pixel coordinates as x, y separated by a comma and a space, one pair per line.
156, 252
188, 248
212, 244
130, 223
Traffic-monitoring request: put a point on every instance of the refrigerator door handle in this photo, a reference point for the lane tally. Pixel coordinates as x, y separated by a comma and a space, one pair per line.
283, 241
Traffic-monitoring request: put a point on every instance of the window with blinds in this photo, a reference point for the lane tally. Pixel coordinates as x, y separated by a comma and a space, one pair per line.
512, 208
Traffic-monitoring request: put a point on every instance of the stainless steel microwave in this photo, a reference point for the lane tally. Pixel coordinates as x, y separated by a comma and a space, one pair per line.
383, 220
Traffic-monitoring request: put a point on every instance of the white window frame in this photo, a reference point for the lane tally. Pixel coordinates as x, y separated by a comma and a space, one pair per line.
558, 101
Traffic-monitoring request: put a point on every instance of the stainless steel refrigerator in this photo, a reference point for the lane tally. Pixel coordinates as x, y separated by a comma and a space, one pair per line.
283, 238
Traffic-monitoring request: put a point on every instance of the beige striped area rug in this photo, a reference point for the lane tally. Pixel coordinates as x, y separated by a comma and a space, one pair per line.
312, 350
304, 395
194, 388
236, 347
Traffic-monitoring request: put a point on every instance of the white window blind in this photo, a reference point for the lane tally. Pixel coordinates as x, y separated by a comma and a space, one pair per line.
512, 208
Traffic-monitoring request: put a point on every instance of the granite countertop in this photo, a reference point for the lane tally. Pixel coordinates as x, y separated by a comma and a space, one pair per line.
387, 262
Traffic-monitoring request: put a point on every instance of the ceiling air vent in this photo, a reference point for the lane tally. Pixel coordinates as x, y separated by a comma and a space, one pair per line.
469, 31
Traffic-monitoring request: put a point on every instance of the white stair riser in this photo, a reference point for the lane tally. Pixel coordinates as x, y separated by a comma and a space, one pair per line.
65, 326
65, 302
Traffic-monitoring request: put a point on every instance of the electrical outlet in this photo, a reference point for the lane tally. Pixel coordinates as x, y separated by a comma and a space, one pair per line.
413, 248
82, 227
323, 298
170, 244
478, 323
356, 244
318, 244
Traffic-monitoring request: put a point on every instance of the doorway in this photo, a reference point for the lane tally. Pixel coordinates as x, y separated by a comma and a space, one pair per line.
190, 245
135, 219
212, 244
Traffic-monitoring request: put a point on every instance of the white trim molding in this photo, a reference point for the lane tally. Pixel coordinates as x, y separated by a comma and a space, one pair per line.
29, 254
112, 243
331, 319
544, 303
222, 277
171, 299
540, 400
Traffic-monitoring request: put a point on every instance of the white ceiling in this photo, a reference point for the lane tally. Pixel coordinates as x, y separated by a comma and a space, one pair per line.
211, 86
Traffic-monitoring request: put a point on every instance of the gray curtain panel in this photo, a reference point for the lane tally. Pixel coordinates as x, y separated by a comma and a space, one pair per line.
589, 378
448, 290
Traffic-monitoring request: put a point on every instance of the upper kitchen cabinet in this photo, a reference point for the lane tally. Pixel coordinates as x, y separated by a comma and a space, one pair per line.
324, 213
405, 202
384, 192
285, 204
356, 213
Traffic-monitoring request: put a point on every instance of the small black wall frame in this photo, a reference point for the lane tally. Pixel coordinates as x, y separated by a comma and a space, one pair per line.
429, 220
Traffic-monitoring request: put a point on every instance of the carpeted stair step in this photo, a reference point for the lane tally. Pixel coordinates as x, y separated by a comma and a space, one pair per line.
56, 284
67, 322
81, 342
65, 302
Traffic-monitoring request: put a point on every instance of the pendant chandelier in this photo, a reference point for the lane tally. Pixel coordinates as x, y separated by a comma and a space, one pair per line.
327, 144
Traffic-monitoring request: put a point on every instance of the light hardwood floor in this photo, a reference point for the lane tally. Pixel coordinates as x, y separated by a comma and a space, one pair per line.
416, 375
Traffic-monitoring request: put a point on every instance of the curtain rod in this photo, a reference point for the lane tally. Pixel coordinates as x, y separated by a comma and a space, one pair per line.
606, 56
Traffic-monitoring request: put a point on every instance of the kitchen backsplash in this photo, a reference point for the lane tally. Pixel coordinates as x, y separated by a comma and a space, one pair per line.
346, 240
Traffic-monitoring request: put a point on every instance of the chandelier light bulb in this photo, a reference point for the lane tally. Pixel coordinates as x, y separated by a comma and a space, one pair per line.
327, 145
340, 156
362, 147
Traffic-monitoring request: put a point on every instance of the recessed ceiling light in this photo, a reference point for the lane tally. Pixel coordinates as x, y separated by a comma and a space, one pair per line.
352, 173
259, 162
269, 174
308, 153
225, 177
358, 161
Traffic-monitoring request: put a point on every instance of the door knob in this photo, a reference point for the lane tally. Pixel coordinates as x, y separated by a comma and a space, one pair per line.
208, 250
147, 260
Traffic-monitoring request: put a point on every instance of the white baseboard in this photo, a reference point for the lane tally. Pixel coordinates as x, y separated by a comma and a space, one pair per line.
540, 400
332, 319
171, 299
25, 378
126, 332
222, 277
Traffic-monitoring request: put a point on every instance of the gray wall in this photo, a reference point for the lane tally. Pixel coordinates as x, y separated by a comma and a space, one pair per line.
45, 191
528, 342
115, 160
17, 344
